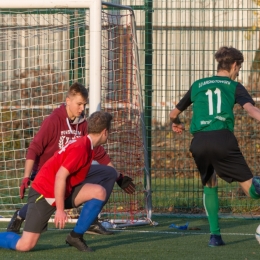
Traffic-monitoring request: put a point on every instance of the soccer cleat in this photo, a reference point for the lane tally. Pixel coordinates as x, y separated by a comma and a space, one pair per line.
15, 223
97, 229
78, 242
216, 240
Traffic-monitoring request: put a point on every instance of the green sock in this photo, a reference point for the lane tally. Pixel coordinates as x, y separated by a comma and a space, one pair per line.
252, 192
211, 205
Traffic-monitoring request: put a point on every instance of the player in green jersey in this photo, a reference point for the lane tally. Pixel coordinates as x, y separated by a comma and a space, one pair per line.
214, 147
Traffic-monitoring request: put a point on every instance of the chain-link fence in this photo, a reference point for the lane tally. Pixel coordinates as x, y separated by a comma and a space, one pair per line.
177, 42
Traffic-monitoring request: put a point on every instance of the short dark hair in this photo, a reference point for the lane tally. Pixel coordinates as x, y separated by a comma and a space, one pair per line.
98, 121
77, 88
226, 56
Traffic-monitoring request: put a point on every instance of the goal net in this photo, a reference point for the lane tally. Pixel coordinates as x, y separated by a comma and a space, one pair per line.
43, 51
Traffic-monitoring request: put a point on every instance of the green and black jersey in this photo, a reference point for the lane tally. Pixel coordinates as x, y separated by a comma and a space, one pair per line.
213, 101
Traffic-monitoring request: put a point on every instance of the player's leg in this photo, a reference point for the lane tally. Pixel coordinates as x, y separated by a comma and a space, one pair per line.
211, 205
251, 187
18, 218
19, 215
93, 197
205, 155
38, 214
26, 242
229, 165
103, 175
106, 177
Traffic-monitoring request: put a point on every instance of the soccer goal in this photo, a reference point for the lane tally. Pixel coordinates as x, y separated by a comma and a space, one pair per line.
44, 47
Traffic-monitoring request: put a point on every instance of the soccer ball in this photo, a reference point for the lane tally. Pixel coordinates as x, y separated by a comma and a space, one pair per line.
257, 234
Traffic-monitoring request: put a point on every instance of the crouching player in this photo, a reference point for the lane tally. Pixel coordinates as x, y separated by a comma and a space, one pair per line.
60, 185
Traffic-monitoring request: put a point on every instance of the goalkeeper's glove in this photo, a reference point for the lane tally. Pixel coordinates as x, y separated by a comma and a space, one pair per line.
23, 186
126, 183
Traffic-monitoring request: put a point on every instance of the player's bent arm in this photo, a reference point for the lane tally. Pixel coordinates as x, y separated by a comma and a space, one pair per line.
59, 191
177, 126
252, 111
26, 179
28, 168
174, 116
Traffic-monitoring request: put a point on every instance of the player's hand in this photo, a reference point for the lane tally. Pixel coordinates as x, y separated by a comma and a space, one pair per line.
60, 219
23, 186
177, 128
126, 183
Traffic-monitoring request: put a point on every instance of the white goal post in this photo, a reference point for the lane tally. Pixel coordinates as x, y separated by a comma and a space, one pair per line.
45, 46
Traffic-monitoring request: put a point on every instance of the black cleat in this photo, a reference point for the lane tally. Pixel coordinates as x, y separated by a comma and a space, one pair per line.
78, 242
97, 229
15, 223
216, 240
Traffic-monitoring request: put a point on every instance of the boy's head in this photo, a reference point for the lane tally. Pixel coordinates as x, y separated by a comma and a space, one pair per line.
78, 89
227, 56
98, 121
76, 100
99, 124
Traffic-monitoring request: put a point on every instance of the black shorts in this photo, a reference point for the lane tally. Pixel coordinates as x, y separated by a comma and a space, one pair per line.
40, 211
219, 151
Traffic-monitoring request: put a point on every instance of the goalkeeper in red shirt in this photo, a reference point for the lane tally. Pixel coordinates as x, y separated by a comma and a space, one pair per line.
61, 184
65, 123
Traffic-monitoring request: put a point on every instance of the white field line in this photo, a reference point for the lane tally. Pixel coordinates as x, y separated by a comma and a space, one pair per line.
182, 233
163, 232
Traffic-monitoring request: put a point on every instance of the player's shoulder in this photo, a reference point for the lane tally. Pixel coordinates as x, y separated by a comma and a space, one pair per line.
82, 145
58, 115
82, 141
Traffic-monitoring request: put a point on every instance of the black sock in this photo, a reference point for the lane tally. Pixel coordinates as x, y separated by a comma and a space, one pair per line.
74, 234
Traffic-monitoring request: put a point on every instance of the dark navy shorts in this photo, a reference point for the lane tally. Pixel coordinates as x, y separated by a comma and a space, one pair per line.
40, 211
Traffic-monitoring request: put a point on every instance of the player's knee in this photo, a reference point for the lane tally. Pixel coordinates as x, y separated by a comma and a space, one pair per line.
103, 193
25, 246
111, 172
100, 193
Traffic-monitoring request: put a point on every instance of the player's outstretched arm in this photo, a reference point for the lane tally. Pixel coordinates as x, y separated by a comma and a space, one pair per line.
124, 182
252, 111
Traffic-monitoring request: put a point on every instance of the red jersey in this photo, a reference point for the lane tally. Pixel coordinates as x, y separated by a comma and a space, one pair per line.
55, 132
76, 157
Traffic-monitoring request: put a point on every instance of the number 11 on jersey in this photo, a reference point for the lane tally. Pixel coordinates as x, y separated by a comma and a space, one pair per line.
210, 99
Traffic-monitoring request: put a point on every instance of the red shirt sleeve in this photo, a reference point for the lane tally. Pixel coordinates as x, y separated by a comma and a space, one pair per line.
101, 156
